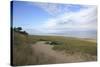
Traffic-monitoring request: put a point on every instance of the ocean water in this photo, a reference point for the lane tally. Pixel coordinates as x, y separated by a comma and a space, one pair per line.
80, 34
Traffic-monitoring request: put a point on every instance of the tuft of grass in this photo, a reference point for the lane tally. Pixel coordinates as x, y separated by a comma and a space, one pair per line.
22, 51
78, 46
74, 46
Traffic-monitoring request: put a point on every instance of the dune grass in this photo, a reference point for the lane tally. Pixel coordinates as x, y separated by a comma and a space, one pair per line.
23, 53
73, 46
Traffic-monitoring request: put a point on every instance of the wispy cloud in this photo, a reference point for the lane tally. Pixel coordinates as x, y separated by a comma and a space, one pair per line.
69, 19
52, 9
56, 9
85, 19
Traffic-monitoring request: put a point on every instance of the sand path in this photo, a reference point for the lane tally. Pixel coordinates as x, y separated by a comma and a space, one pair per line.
57, 57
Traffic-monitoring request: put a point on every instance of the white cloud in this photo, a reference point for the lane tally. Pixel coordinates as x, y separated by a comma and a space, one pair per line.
55, 9
52, 9
85, 19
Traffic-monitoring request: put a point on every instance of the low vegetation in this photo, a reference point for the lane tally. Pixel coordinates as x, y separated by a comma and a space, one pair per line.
72, 46
85, 48
23, 54
54, 42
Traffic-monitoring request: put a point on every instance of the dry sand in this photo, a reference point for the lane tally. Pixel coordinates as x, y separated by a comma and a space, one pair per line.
56, 56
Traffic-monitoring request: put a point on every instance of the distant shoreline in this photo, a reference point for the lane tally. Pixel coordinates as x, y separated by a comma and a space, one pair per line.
91, 40
81, 38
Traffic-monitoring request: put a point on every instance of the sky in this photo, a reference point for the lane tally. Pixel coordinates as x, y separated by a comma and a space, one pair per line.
55, 19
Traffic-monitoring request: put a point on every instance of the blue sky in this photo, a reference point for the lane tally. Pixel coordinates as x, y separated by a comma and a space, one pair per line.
43, 18
27, 15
